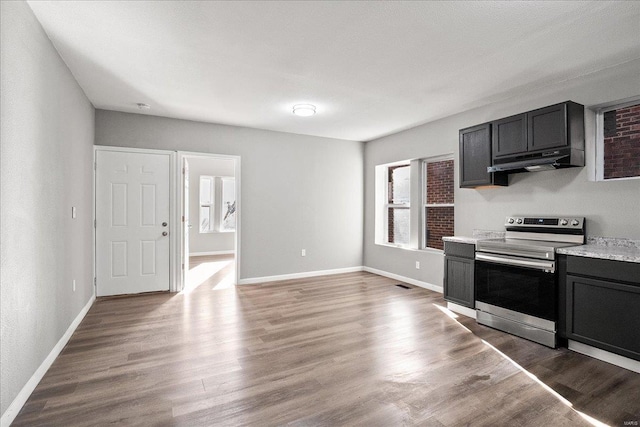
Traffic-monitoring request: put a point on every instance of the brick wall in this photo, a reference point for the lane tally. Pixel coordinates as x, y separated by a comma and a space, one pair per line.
439, 191
439, 224
391, 237
440, 182
622, 143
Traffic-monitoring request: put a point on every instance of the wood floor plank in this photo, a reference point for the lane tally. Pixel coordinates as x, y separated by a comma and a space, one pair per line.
348, 349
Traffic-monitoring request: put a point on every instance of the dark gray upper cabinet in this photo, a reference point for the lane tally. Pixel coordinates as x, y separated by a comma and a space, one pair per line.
557, 127
510, 135
475, 157
547, 128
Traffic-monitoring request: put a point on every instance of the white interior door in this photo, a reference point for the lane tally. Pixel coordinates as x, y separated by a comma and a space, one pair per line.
132, 222
185, 218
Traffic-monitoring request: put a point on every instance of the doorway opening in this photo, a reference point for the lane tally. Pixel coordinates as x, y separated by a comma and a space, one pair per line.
210, 221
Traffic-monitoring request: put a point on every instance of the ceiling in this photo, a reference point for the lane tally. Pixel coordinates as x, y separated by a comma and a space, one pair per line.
371, 68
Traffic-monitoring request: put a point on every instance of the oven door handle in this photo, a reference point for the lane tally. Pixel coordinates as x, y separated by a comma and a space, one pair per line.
547, 266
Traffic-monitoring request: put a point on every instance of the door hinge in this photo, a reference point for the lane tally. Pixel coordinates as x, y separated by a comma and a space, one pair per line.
95, 166
95, 282
95, 224
183, 171
183, 266
182, 218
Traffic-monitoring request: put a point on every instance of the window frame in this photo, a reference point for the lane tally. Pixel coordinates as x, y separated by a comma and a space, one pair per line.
416, 205
424, 205
599, 149
388, 205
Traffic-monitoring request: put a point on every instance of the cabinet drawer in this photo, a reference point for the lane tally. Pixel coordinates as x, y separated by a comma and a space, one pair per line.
604, 314
464, 250
604, 268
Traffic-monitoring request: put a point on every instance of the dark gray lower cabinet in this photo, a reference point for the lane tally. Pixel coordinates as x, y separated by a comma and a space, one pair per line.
459, 273
604, 311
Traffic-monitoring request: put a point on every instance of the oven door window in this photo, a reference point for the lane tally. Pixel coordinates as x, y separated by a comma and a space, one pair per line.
519, 289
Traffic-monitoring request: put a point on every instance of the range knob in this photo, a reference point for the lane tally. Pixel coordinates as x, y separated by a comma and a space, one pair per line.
519, 221
510, 221
564, 222
575, 222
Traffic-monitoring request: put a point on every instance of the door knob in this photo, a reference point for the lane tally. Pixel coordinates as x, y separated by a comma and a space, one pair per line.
164, 224
164, 233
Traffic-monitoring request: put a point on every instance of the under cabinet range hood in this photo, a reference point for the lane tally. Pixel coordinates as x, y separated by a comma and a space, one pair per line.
547, 138
556, 159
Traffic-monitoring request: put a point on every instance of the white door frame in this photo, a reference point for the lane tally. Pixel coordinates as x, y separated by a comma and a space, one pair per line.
172, 207
177, 224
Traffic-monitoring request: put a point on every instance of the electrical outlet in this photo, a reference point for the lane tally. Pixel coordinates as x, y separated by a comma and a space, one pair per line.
74, 285
418, 265
303, 252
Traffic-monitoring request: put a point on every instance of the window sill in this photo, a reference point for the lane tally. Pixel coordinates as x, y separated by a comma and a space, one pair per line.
407, 248
626, 178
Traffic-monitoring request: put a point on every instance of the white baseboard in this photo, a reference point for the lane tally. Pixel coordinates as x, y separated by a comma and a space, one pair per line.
409, 280
465, 311
254, 280
22, 397
605, 356
212, 253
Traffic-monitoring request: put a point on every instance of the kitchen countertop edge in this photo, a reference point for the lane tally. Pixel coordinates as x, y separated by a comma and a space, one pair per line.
611, 248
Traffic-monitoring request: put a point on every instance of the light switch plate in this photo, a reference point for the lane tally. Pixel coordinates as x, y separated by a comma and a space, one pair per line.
73, 212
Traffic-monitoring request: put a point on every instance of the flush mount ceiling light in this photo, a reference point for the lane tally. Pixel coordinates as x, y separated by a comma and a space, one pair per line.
143, 106
304, 110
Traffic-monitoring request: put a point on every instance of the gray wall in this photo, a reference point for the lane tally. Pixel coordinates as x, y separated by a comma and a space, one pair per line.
46, 155
207, 242
611, 208
298, 192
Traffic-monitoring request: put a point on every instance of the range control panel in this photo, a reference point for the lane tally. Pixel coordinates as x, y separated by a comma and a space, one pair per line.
561, 222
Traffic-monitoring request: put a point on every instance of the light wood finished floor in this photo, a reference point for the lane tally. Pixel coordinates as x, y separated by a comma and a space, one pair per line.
349, 349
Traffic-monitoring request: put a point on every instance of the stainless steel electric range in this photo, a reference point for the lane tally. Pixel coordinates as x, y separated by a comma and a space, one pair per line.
516, 278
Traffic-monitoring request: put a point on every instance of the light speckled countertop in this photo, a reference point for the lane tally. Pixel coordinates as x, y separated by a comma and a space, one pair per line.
477, 235
606, 248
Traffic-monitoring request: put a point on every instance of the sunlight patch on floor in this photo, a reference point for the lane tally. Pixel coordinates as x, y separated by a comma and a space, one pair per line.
557, 395
227, 281
203, 272
554, 393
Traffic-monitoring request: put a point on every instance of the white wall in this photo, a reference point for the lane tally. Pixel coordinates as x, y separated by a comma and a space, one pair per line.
207, 242
46, 156
298, 192
611, 208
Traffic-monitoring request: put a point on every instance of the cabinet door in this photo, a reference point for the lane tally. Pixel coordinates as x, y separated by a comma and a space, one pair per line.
547, 128
458, 281
475, 158
604, 314
509, 136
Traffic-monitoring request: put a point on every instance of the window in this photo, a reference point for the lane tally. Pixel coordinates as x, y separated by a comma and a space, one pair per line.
207, 192
438, 202
398, 204
221, 192
618, 141
419, 225
228, 205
